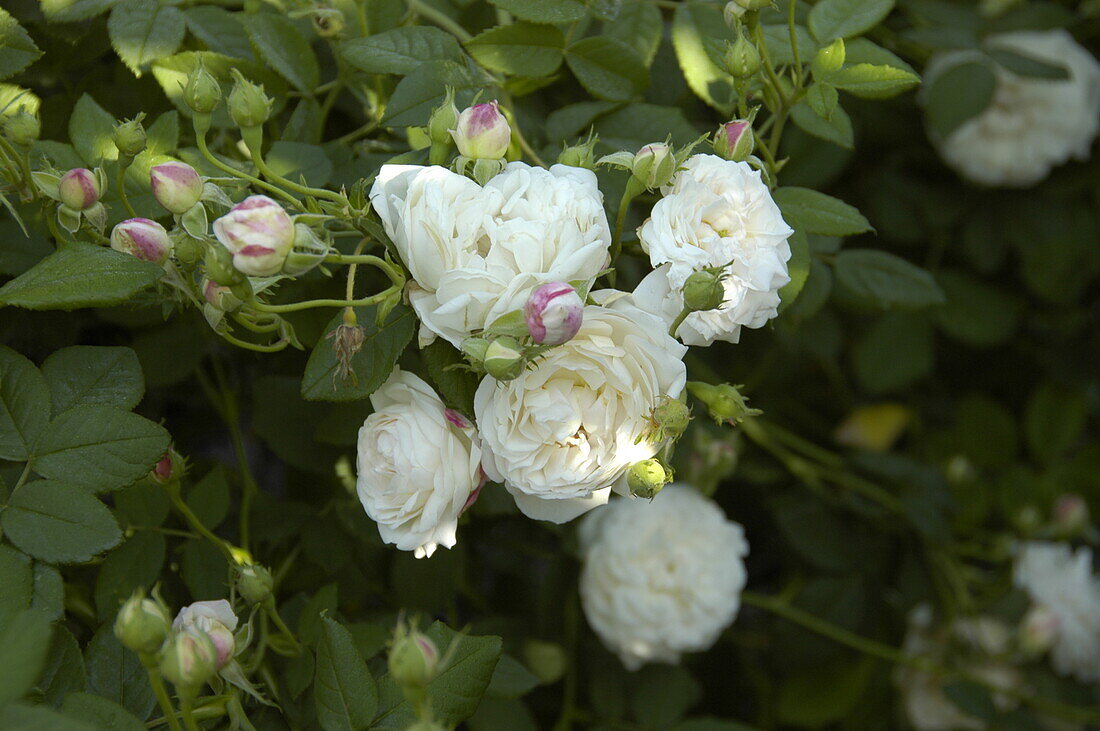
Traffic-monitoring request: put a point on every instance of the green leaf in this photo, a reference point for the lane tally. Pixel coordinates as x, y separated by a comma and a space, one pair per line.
456, 385
816, 213
285, 49
69, 11
172, 74
822, 98
204, 570
662, 694
521, 49
401, 50
975, 312
886, 280
19, 252
609, 69
836, 129
634, 125
83, 375
831, 19
895, 352
638, 25
18, 582
694, 26
91, 130
64, 669
99, 447
116, 673
824, 695
420, 92
24, 642
104, 713
143, 503
873, 82
209, 499
39, 718
861, 50
49, 591
143, 31
294, 160
221, 31
344, 692
543, 11
134, 564
24, 410
511, 679
971, 698
957, 94
17, 50
80, 275
798, 269
372, 364
455, 691
59, 523
1028, 66
1054, 420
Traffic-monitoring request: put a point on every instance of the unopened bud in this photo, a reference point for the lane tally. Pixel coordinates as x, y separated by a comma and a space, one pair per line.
669, 419
249, 106
1039, 630
176, 186
742, 59
216, 621
203, 93
444, 118
482, 133
141, 624
129, 137
143, 238
703, 290
1071, 515
328, 22
189, 660
734, 140
413, 658
22, 128
219, 296
254, 582
724, 402
79, 189
170, 468
504, 358
218, 267
579, 156
259, 234
553, 313
647, 478
654, 165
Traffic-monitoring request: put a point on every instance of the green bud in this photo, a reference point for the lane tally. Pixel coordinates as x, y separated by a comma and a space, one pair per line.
669, 419
703, 290
654, 165
734, 140
443, 120
129, 137
742, 59
413, 658
142, 624
248, 105
219, 266
579, 156
22, 128
724, 402
254, 582
328, 22
504, 358
647, 478
474, 349
189, 660
203, 93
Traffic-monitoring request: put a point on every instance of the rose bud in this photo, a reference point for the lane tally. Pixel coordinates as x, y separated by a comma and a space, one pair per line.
669, 419
141, 624
203, 93
703, 290
742, 59
176, 185
249, 106
413, 658
79, 189
188, 661
1039, 630
734, 140
554, 313
143, 238
1071, 514
482, 132
219, 296
214, 619
258, 233
444, 119
654, 165
504, 358
579, 156
254, 582
163, 471
22, 128
724, 402
129, 137
647, 478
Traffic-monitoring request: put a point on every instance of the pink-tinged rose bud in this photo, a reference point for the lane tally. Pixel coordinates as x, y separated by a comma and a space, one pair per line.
1071, 514
413, 658
654, 165
554, 313
164, 469
143, 238
220, 296
482, 132
1039, 630
79, 189
176, 185
258, 233
734, 140
216, 620
188, 660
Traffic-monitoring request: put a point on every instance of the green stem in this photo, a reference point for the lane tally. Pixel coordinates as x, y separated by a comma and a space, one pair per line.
193, 520
200, 140
188, 716
273, 613
678, 321
255, 347
249, 487
797, 66
440, 18
20, 159
273, 176
163, 699
311, 304
569, 686
631, 191
355, 134
122, 167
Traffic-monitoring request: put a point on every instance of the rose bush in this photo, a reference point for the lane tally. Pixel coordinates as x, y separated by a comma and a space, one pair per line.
594, 295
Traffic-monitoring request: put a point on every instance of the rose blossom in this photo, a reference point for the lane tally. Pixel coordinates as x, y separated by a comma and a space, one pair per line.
477, 253
661, 577
716, 212
259, 234
1031, 124
569, 426
216, 620
418, 465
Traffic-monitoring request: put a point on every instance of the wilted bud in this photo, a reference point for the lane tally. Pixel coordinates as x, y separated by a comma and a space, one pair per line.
413, 658
654, 165
742, 59
503, 358
579, 156
875, 428
22, 128
647, 478
79, 189
724, 402
1039, 630
203, 93
703, 290
553, 313
141, 624
1071, 515
254, 583
129, 137
248, 105
669, 419
258, 233
143, 238
347, 339
219, 296
176, 185
216, 621
735, 140
189, 660
482, 133
444, 119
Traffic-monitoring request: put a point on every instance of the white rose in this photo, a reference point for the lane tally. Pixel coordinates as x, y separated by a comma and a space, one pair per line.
567, 428
661, 577
1061, 580
716, 212
214, 618
418, 465
477, 253
1031, 124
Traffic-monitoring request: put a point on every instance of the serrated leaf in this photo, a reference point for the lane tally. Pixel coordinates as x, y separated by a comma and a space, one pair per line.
372, 364
80, 275
873, 82
91, 130
798, 269
886, 280
543, 11
143, 31
638, 25
99, 447
59, 523
520, 49
285, 49
221, 31
85, 375
420, 92
836, 129
694, 26
17, 50
812, 212
401, 50
18, 582
134, 564
116, 673
957, 94
71, 11
24, 642
24, 410
831, 19
607, 68
453, 382
344, 691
